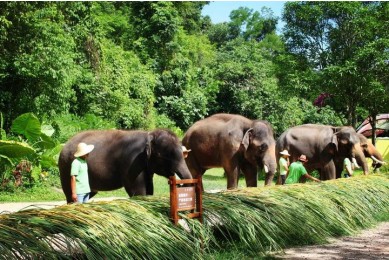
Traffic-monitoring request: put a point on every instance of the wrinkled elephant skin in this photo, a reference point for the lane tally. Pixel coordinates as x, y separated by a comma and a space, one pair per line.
125, 159
234, 143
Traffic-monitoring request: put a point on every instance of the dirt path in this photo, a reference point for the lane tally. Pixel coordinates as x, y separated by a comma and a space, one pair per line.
369, 244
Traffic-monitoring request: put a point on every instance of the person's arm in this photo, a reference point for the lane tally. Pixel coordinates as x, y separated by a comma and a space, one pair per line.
349, 170
311, 177
73, 188
285, 164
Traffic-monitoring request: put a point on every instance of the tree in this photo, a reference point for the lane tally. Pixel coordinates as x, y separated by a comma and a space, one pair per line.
186, 91
245, 23
253, 25
247, 82
331, 37
156, 25
39, 59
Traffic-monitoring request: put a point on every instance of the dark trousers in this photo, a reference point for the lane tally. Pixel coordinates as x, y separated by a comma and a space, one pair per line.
283, 178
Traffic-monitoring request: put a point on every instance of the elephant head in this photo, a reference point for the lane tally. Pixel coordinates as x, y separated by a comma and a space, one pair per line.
369, 150
347, 143
164, 153
259, 148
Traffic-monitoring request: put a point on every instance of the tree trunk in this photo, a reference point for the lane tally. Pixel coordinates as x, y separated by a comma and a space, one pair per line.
374, 129
373, 123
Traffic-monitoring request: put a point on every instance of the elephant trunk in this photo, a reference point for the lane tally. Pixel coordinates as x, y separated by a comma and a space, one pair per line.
270, 167
183, 171
360, 158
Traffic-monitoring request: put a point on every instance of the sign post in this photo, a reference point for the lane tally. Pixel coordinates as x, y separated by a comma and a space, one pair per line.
186, 198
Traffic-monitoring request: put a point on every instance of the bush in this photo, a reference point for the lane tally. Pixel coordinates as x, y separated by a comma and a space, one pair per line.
67, 125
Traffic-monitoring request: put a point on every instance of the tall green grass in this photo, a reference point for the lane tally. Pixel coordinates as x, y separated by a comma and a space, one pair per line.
254, 220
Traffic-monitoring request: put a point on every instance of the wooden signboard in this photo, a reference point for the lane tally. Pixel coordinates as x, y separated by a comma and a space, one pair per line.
186, 198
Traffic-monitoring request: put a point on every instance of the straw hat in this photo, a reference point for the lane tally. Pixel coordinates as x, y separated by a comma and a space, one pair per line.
184, 150
303, 158
83, 149
285, 152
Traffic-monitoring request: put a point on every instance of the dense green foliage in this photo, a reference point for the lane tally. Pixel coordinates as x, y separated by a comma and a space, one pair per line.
258, 220
161, 64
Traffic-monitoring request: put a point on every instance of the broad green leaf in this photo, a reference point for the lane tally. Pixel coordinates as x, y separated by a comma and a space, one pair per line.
46, 142
47, 130
5, 160
28, 125
13, 149
50, 157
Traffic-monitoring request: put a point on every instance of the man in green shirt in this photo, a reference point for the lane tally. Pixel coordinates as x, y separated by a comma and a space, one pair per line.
297, 169
79, 181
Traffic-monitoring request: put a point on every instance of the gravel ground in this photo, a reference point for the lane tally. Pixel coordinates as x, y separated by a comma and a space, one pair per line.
369, 244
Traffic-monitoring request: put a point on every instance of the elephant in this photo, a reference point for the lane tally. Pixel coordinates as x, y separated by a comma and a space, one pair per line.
325, 146
370, 151
125, 158
234, 143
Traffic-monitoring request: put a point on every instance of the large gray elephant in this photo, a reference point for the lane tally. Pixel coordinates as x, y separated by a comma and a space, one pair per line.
233, 142
325, 147
125, 158
370, 151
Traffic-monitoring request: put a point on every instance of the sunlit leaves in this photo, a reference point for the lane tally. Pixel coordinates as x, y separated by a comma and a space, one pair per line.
13, 149
28, 125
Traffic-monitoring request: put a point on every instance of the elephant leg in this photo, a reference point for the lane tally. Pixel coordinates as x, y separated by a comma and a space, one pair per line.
137, 186
328, 171
279, 181
250, 174
339, 169
232, 171
269, 179
194, 167
92, 194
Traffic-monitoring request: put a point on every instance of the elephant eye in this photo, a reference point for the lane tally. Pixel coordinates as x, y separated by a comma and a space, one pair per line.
263, 147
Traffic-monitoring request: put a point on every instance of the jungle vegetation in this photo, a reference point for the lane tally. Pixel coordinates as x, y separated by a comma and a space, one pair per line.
70, 66
162, 64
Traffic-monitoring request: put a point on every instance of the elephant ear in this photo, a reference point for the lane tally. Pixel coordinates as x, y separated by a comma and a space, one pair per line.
334, 139
363, 141
150, 138
246, 138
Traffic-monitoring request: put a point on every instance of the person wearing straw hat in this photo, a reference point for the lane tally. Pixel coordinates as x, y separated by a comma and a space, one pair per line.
185, 152
79, 181
284, 165
297, 170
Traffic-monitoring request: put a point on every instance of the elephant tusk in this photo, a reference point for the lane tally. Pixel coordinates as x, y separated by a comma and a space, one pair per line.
266, 169
355, 163
377, 161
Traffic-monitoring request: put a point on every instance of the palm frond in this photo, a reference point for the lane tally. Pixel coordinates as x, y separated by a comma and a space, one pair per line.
258, 220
